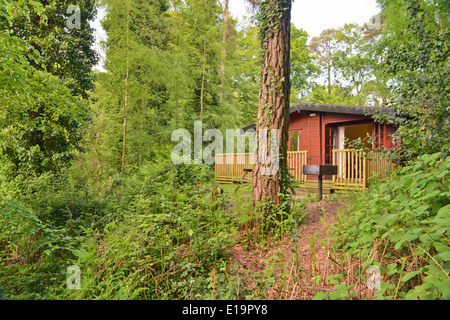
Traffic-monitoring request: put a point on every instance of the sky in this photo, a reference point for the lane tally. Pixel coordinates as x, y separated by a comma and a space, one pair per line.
313, 16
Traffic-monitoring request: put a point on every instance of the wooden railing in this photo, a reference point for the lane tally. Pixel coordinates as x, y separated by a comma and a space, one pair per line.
230, 167
376, 163
295, 162
354, 168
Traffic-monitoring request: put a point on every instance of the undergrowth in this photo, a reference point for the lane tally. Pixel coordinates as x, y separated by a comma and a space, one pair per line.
163, 233
168, 232
399, 228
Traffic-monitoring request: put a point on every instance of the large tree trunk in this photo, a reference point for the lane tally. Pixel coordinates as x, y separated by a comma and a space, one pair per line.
273, 99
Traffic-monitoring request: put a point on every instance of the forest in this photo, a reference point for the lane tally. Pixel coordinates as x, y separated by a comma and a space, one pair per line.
92, 206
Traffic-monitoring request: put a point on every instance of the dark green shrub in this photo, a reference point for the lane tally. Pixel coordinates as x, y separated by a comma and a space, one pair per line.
402, 225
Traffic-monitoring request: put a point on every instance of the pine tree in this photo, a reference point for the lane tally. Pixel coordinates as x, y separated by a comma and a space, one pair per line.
274, 94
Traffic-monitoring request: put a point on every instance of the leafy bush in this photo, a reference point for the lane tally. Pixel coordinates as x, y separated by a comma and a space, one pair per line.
32, 254
171, 242
402, 226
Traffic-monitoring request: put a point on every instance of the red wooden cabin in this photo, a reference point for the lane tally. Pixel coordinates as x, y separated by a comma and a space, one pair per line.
320, 129
318, 134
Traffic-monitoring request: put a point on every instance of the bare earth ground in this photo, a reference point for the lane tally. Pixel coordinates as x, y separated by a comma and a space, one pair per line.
297, 269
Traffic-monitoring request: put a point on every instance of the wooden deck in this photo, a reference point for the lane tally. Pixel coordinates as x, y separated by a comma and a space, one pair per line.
354, 169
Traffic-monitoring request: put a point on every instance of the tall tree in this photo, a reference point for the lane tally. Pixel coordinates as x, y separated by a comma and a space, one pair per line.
244, 70
324, 47
269, 183
132, 92
224, 47
125, 103
417, 53
303, 67
350, 60
50, 137
198, 34
66, 52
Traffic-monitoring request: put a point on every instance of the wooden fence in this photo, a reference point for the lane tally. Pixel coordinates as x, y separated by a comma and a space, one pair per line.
354, 168
230, 167
376, 163
295, 162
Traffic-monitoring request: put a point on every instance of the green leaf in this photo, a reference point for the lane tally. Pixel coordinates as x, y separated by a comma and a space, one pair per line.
399, 244
410, 275
440, 247
387, 219
443, 257
320, 296
444, 288
444, 212
391, 268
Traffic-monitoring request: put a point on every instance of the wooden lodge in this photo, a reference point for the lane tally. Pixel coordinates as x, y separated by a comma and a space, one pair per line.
317, 135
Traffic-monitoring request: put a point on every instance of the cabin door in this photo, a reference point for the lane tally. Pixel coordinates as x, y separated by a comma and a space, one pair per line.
330, 143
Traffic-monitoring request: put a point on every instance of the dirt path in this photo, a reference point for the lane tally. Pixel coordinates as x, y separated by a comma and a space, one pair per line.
295, 267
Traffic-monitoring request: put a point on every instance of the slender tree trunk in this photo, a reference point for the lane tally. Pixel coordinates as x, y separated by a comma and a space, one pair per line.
436, 8
125, 107
329, 79
274, 101
329, 69
142, 133
203, 79
224, 50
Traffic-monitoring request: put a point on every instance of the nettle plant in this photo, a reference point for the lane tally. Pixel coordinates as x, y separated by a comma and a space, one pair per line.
402, 226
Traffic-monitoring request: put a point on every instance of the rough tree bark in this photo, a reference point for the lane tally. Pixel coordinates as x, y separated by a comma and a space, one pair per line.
273, 97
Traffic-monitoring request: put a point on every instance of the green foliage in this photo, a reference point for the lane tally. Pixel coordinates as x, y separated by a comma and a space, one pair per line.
244, 70
43, 24
165, 237
33, 254
165, 245
303, 68
43, 117
162, 231
349, 62
402, 226
334, 94
33, 144
416, 47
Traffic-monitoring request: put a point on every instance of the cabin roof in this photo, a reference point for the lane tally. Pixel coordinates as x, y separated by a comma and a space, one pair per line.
335, 108
339, 108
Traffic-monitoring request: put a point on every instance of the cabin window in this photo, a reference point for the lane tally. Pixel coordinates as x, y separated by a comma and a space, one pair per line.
294, 139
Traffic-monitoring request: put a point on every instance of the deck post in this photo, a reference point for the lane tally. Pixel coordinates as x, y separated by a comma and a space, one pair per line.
364, 172
320, 187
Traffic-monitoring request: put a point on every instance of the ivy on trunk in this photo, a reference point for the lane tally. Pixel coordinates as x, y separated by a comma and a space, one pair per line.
274, 24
